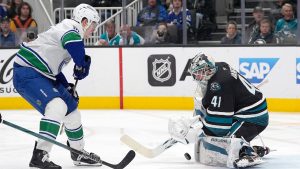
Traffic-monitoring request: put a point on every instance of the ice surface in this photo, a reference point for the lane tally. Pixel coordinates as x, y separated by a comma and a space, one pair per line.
103, 129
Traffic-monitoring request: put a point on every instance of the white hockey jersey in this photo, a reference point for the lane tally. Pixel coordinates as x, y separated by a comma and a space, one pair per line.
47, 54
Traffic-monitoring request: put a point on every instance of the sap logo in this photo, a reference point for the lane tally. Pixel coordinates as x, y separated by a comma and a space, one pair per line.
298, 70
256, 69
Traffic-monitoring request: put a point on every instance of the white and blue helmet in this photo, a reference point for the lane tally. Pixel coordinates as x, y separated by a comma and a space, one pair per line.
86, 11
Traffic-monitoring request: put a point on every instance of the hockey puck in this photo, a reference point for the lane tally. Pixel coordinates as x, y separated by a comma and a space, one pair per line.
187, 156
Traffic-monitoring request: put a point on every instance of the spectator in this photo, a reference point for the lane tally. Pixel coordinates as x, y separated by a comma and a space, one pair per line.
205, 22
161, 35
110, 37
3, 12
266, 34
175, 18
276, 10
286, 27
13, 8
129, 37
152, 14
7, 38
253, 28
232, 35
23, 19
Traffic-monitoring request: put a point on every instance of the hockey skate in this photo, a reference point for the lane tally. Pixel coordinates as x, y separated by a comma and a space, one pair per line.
261, 151
248, 158
40, 160
83, 160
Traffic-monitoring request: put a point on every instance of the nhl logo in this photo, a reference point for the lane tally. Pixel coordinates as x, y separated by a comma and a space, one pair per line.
162, 70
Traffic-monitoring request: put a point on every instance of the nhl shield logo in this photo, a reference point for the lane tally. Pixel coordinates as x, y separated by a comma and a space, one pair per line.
161, 70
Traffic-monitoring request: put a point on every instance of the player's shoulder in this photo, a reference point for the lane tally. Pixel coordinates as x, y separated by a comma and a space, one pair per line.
222, 79
223, 70
69, 25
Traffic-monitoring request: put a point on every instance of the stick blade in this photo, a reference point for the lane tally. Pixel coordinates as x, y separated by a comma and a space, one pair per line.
138, 147
127, 159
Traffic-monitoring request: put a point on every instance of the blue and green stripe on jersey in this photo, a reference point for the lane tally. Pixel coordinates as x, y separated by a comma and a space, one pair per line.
74, 134
49, 128
70, 36
31, 58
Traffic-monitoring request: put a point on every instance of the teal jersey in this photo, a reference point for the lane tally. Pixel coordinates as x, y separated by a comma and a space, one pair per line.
113, 41
135, 39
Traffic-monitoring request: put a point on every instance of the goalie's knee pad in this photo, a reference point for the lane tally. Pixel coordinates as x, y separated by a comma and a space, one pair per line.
74, 131
217, 151
55, 111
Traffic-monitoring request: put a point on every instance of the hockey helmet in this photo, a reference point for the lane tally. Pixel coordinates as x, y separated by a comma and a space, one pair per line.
202, 67
86, 11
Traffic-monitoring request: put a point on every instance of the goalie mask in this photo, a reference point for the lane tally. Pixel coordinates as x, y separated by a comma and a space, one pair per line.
202, 68
85, 11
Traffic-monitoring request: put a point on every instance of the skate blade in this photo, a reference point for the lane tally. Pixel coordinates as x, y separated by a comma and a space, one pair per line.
76, 163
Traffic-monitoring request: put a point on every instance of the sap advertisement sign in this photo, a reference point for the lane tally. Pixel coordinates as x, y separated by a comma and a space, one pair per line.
256, 69
298, 70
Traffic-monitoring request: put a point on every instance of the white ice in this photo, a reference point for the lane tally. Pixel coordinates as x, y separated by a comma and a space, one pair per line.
103, 129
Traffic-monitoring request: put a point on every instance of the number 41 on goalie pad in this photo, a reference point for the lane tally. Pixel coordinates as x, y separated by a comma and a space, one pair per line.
218, 151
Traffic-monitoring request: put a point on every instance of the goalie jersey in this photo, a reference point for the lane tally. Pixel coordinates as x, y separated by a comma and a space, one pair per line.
229, 100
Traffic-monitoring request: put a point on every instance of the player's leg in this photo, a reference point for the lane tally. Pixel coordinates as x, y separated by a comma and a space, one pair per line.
41, 93
49, 127
74, 130
247, 155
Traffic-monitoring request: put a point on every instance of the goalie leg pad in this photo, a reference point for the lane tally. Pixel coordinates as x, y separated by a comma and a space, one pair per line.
218, 151
50, 123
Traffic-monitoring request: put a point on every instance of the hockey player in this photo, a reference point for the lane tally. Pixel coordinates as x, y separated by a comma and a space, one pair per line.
229, 106
39, 79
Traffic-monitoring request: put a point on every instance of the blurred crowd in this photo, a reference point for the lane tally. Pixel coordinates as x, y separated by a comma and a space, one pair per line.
279, 27
16, 23
161, 22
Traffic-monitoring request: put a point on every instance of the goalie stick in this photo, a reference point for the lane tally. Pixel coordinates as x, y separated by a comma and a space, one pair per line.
126, 160
154, 152
143, 150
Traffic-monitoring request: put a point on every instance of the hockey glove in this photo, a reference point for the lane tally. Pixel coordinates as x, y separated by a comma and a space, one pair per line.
72, 90
185, 130
80, 72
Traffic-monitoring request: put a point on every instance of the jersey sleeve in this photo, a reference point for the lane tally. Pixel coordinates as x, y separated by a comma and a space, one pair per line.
72, 42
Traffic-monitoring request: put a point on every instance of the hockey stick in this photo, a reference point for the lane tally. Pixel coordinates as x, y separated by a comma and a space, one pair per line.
154, 152
126, 160
143, 150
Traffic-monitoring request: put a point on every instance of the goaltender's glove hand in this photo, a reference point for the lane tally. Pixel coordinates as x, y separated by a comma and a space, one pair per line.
80, 72
72, 90
185, 130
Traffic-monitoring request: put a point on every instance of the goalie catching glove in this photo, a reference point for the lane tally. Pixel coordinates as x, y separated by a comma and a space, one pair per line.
185, 130
80, 72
